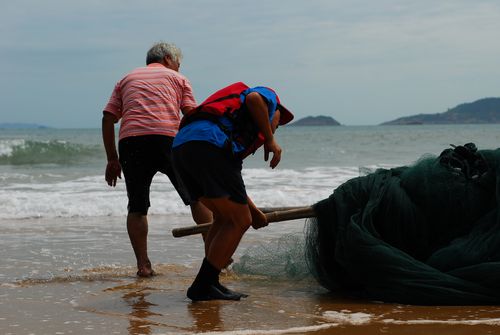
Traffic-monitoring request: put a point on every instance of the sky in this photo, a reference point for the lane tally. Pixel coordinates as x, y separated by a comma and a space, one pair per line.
362, 62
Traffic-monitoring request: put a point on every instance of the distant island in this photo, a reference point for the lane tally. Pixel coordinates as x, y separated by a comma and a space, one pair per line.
22, 126
316, 121
485, 110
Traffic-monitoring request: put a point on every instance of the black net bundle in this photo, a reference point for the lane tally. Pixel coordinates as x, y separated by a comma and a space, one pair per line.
424, 234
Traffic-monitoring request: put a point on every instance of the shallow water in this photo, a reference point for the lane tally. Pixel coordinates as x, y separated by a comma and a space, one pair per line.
76, 276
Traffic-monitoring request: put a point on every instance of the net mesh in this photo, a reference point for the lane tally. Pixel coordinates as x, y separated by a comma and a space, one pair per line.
281, 258
422, 234
426, 234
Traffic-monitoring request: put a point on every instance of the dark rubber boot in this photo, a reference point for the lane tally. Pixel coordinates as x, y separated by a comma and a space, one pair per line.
209, 292
226, 290
206, 285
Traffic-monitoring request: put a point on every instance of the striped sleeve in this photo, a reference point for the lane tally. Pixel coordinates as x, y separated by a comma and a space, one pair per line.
114, 105
188, 99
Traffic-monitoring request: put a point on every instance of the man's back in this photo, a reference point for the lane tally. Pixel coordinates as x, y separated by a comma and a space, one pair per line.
149, 99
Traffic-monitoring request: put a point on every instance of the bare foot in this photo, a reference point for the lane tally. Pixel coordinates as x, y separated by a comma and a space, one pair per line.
146, 273
145, 270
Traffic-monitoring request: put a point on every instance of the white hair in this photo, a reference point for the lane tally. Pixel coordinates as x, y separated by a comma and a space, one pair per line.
161, 50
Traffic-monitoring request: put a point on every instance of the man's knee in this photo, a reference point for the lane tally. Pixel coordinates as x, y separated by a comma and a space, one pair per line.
138, 207
242, 220
228, 212
136, 215
136, 219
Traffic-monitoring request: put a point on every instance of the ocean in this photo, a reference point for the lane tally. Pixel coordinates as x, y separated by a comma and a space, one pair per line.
47, 173
67, 265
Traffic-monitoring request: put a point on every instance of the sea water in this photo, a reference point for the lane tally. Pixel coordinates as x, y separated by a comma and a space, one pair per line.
47, 173
67, 265
58, 217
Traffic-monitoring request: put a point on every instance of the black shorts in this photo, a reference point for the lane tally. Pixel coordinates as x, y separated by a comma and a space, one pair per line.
206, 170
141, 157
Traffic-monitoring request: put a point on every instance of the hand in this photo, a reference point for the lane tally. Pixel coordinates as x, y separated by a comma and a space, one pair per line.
259, 219
272, 146
113, 171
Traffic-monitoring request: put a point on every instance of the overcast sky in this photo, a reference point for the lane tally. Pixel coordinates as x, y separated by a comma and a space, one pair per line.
363, 62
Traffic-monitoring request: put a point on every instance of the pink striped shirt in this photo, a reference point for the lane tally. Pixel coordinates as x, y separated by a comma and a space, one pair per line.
149, 100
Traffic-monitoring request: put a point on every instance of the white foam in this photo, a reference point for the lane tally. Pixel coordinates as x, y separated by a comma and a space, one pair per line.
291, 330
346, 317
91, 196
7, 146
490, 322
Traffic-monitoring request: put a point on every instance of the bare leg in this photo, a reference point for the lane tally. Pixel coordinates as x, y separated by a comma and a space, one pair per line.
201, 214
137, 227
208, 237
231, 220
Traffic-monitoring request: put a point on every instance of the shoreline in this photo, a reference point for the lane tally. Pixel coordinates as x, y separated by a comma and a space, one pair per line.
158, 305
77, 276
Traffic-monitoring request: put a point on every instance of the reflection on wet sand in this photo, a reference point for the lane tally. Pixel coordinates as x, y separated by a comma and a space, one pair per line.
206, 316
139, 323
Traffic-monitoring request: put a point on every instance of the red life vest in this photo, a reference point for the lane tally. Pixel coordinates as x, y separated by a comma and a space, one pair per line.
227, 102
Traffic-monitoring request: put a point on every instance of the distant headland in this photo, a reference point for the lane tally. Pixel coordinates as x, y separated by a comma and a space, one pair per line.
485, 110
316, 121
482, 111
22, 126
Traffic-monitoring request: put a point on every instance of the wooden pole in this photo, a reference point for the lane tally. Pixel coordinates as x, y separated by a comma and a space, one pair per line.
274, 216
278, 209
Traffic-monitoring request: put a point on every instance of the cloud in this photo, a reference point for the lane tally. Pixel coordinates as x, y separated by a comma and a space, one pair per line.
361, 61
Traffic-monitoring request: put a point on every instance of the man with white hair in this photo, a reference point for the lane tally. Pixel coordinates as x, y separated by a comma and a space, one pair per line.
148, 101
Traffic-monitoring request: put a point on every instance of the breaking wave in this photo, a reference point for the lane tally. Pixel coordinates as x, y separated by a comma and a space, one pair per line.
28, 152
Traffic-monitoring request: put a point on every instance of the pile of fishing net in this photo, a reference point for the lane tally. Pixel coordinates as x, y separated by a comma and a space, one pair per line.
424, 234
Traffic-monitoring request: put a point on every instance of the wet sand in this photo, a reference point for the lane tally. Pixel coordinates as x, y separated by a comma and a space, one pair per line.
77, 277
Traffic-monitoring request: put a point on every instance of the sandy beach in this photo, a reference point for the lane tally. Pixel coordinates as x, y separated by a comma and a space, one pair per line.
76, 276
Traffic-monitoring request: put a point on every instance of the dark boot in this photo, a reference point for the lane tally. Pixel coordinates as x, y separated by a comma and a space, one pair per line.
226, 290
205, 287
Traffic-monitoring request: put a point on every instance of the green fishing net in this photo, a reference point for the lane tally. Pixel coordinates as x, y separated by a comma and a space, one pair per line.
280, 258
426, 234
